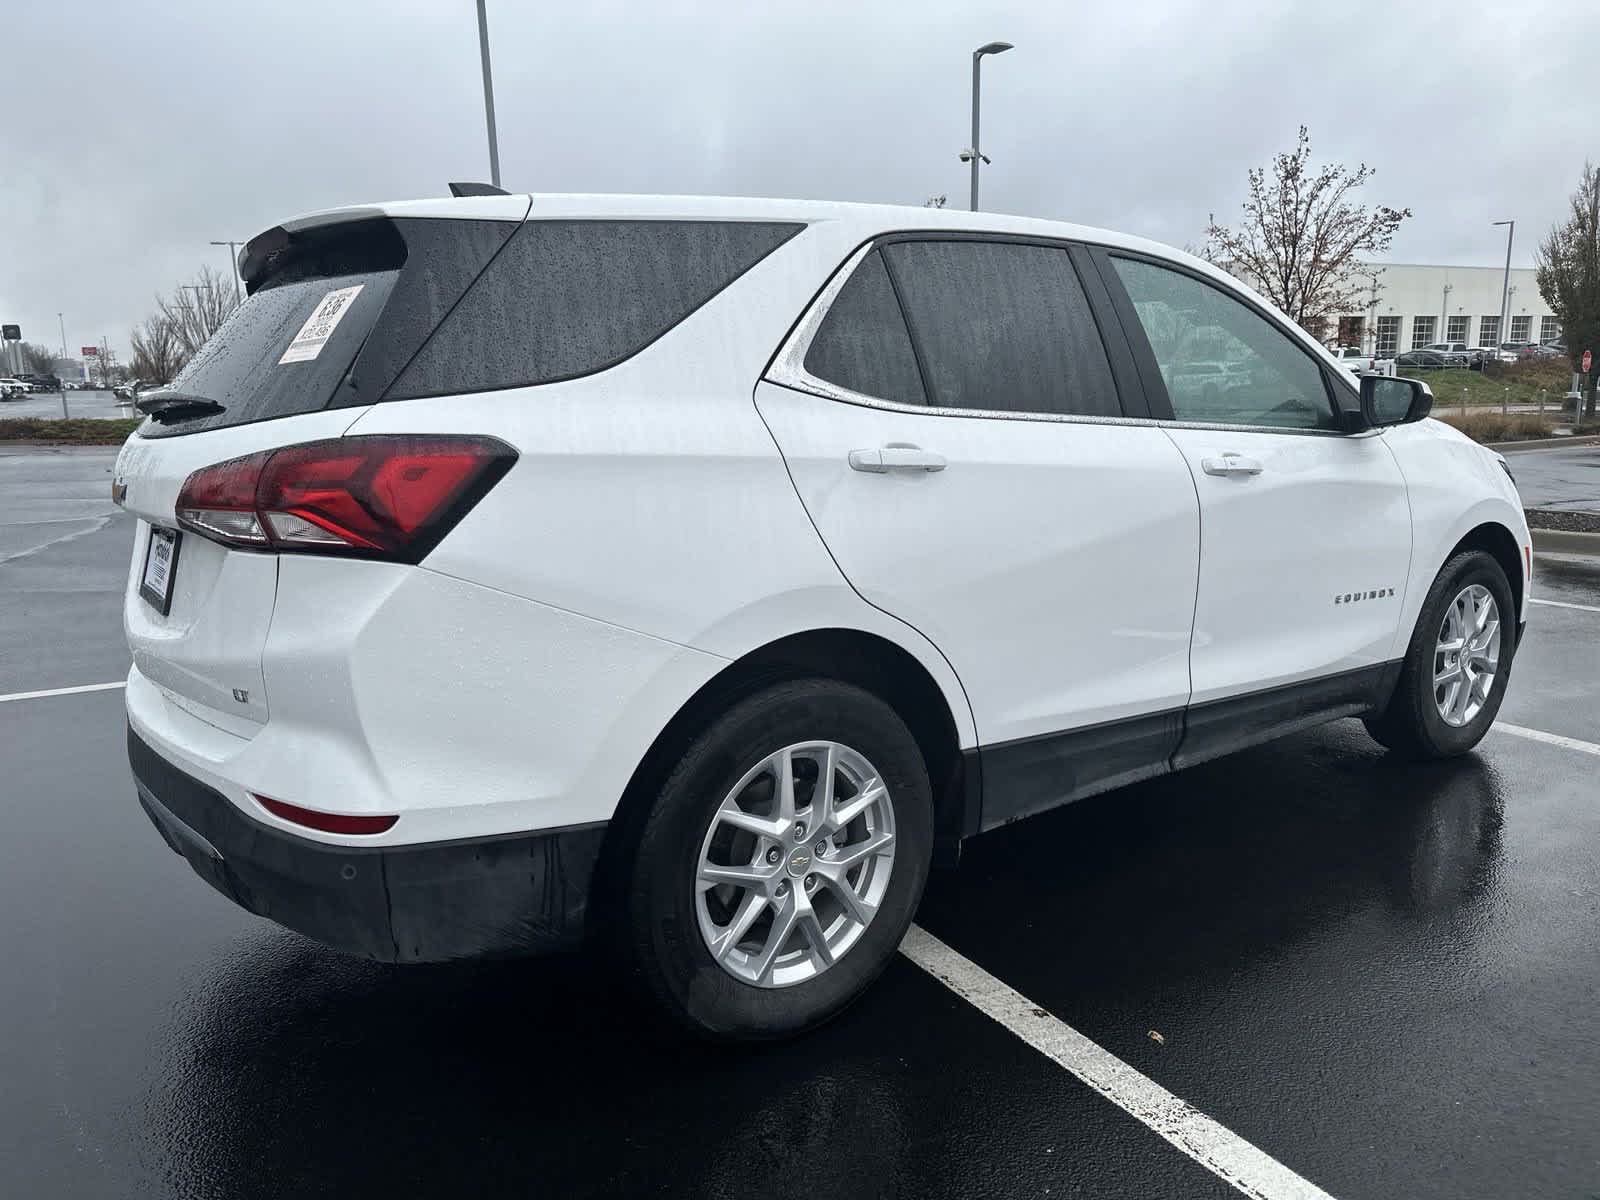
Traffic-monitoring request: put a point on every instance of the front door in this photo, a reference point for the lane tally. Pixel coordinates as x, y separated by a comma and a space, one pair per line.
1305, 531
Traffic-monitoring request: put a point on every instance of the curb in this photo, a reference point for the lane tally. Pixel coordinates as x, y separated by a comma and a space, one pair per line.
1565, 541
1578, 439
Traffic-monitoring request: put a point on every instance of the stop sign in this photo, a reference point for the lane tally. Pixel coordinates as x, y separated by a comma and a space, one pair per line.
1587, 359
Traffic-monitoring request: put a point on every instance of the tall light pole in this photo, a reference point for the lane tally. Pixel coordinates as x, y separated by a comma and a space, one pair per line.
233, 268
1505, 287
61, 379
973, 154
488, 96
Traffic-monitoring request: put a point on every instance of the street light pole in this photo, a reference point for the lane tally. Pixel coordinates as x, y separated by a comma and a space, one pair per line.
1505, 287
974, 153
233, 268
488, 95
61, 379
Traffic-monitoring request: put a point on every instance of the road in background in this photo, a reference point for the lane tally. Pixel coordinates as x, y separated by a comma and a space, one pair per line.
100, 406
1563, 477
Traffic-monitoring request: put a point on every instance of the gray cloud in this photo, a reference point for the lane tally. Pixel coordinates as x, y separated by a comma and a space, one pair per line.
135, 133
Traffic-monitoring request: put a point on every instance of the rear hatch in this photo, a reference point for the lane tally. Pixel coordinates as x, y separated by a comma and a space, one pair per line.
338, 306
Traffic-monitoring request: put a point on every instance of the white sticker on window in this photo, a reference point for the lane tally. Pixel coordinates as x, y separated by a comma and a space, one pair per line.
319, 326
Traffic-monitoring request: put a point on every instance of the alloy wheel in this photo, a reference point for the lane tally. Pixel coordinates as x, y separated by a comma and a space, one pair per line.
795, 864
1467, 656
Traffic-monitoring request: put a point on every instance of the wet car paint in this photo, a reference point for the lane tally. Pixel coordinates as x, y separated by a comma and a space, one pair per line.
1383, 974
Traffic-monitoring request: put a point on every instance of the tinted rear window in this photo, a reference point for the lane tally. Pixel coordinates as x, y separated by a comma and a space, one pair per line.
1003, 326
409, 273
568, 298
863, 344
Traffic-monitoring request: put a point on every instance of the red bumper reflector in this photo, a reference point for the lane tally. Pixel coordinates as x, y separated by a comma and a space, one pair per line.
326, 822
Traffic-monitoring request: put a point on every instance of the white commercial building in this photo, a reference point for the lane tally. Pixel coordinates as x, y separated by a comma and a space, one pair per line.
1409, 305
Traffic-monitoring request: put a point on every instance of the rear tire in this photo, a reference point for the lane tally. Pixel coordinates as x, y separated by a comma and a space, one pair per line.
1428, 719
853, 889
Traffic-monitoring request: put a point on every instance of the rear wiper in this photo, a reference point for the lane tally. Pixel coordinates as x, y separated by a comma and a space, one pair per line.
167, 407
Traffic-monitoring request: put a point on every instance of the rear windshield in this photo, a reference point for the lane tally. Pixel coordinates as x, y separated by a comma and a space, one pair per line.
335, 320
394, 310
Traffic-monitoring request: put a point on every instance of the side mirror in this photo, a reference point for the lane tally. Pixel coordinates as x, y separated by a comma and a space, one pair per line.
1390, 400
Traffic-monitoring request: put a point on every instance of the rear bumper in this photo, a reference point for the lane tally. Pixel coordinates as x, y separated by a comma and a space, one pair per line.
517, 894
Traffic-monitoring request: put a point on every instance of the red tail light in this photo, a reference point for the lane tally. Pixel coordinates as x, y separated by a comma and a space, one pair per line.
327, 822
368, 497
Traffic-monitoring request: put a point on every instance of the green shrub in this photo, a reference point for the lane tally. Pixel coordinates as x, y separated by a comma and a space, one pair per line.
1498, 427
79, 431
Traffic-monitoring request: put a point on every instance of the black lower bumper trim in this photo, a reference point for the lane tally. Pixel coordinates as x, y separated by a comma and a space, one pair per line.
517, 894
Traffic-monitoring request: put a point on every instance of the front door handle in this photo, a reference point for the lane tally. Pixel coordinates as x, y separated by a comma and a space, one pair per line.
1230, 464
895, 458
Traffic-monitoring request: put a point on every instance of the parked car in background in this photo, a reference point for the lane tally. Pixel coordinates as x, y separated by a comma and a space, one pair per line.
697, 615
11, 387
1492, 354
1545, 350
1351, 358
1422, 360
1455, 354
1519, 350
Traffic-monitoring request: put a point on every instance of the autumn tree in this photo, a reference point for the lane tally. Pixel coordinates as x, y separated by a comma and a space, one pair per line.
158, 353
1301, 234
1569, 271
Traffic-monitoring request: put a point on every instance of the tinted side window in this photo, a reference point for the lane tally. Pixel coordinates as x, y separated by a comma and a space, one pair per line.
567, 298
1221, 361
862, 343
1003, 326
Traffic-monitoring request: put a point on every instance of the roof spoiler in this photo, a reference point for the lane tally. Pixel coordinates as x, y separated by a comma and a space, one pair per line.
477, 189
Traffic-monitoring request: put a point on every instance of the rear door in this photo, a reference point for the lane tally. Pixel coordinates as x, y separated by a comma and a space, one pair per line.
1305, 530
335, 312
950, 415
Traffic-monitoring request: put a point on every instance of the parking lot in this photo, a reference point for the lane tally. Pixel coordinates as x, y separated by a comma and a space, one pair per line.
1382, 976
99, 404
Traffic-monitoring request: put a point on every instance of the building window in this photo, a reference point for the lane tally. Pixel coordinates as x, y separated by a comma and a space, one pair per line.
1388, 337
1488, 331
1549, 329
1521, 327
1455, 329
1351, 331
1422, 332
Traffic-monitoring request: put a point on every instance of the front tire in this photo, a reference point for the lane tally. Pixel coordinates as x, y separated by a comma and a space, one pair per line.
780, 864
1454, 674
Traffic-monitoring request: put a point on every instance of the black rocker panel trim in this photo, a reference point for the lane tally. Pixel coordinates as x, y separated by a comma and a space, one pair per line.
1031, 775
1223, 726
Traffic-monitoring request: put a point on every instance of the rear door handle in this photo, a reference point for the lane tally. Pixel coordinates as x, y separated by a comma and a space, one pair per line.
1230, 464
895, 458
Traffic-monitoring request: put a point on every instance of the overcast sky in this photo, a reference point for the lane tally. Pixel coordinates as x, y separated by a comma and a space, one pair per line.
135, 132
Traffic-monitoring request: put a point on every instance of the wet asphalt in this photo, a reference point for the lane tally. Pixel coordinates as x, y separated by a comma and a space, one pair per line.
1385, 975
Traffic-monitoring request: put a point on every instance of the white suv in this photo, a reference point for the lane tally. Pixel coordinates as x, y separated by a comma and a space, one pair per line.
686, 574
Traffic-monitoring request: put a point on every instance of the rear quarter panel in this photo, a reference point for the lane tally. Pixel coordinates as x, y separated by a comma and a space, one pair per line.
651, 496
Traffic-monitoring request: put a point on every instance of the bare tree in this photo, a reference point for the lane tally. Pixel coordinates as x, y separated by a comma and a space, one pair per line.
1569, 271
158, 352
1301, 234
37, 359
198, 308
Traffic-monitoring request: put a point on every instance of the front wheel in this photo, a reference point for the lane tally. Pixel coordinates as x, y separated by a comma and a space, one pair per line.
781, 862
1454, 675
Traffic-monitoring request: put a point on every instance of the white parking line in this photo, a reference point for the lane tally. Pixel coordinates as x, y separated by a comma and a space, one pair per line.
1221, 1151
70, 691
1564, 604
1550, 739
